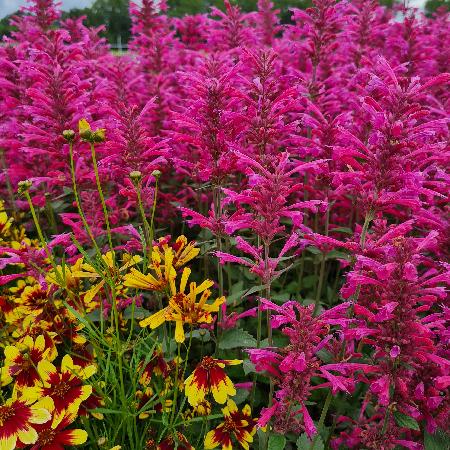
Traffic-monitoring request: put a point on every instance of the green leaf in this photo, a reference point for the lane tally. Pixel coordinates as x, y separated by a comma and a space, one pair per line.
241, 396
436, 441
139, 313
236, 337
405, 421
304, 443
248, 367
276, 442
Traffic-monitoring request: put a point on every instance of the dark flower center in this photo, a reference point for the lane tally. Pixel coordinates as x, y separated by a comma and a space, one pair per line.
6, 412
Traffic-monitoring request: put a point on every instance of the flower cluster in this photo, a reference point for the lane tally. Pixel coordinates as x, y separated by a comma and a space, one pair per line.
244, 211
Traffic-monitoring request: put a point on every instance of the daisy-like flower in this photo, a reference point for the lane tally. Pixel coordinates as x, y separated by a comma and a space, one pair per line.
171, 442
53, 434
183, 251
164, 274
209, 376
183, 308
17, 420
87, 271
63, 276
61, 390
237, 424
22, 359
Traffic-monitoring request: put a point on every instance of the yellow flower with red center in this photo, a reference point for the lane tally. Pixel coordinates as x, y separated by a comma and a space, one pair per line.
162, 276
183, 252
53, 434
61, 390
209, 376
17, 418
184, 309
22, 359
87, 271
237, 424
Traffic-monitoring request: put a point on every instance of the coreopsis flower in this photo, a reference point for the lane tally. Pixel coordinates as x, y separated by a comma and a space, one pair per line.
17, 421
183, 307
61, 390
53, 435
157, 366
237, 424
184, 251
175, 442
87, 271
64, 276
22, 359
209, 377
163, 274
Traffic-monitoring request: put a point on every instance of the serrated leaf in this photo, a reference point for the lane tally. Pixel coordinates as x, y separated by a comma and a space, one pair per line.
236, 337
276, 442
436, 441
304, 443
405, 421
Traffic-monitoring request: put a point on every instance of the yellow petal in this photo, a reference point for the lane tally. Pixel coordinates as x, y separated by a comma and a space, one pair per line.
92, 292
179, 331
210, 440
8, 443
27, 435
11, 353
45, 368
77, 437
155, 320
184, 278
38, 413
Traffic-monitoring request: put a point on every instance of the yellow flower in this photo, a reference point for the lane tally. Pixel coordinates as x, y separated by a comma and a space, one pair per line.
66, 274
163, 274
183, 308
87, 271
237, 424
183, 251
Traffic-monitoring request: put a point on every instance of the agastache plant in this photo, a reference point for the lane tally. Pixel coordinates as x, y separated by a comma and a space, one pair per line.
234, 233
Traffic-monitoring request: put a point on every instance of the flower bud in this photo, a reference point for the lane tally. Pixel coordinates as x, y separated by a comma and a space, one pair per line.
23, 186
135, 176
69, 135
99, 135
156, 173
84, 130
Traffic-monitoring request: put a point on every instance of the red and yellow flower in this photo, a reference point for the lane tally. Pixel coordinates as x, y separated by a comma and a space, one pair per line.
22, 359
61, 390
209, 376
173, 442
17, 421
237, 424
53, 434
184, 309
183, 252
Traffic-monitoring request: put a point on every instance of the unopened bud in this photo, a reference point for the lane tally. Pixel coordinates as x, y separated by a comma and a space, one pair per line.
156, 173
84, 130
99, 135
135, 176
69, 135
23, 186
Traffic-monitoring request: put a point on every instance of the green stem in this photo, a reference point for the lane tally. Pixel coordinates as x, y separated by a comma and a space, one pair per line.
102, 198
323, 415
78, 202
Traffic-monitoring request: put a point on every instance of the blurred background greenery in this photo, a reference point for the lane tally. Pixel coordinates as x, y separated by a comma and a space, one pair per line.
114, 13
